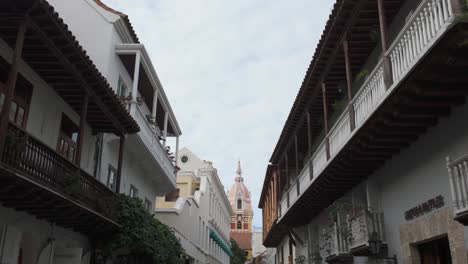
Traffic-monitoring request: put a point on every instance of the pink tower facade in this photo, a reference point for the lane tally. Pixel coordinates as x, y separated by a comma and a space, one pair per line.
241, 221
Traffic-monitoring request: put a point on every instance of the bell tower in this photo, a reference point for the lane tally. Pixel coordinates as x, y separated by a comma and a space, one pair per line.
241, 221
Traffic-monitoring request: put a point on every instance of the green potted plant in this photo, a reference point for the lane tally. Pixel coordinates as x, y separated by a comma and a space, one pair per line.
72, 183
300, 259
15, 145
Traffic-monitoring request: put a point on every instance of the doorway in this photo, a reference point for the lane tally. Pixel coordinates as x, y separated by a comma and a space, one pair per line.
435, 252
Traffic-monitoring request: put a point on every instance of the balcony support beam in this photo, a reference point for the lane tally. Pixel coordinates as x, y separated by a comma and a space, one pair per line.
155, 104
177, 151
325, 119
166, 119
287, 170
296, 155
119, 164
332, 59
136, 76
384, 42
349, 83
83, 115
11, 83
309, 139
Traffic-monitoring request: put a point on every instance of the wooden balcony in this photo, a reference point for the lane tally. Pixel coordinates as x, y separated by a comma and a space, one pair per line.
335, 244
428, 79
361, 226
458, 177
36, 179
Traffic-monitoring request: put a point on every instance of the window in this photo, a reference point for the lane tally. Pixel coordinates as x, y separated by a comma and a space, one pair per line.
111, 178
20, 105
239, 225
173, 196
239, 204
122, 88
133, 192
68, 138
148, 205
239, 217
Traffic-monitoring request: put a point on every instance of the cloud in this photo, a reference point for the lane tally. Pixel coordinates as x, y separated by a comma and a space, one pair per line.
231, 70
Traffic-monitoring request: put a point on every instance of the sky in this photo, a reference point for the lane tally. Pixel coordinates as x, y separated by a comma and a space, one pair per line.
231, 71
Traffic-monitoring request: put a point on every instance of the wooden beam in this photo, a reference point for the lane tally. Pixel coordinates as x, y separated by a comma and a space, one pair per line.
383, 26
349, 83
309, 134
83, 115
73, 69
119, 164
11, 83
325, 119
330, 61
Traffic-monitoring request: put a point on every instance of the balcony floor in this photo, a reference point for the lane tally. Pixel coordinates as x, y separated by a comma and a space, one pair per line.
434, 86
23, 193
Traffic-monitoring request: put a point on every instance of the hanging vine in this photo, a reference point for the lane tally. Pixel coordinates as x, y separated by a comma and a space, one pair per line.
142, 237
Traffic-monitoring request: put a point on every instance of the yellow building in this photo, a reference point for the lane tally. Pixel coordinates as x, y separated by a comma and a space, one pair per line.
198, 211
241, 221
187, 185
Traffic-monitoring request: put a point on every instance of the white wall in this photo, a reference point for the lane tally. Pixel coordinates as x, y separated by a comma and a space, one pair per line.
93, 31
415, 175
419, 173
35, 234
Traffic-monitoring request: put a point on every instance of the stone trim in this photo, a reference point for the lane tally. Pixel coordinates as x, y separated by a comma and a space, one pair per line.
440, 223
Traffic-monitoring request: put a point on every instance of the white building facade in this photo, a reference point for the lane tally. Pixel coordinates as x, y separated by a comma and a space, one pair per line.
382, 179
199, 211
71, 132
148, 169
257, 242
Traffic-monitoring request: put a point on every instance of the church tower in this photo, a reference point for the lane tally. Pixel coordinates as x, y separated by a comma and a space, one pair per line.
241, 221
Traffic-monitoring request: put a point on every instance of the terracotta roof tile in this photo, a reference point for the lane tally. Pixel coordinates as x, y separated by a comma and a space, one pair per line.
124, 16
244, 240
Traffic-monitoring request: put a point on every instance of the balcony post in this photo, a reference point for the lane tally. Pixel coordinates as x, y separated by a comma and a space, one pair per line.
136, 76
349, 83
83, 115
309, 138
166, 118
296, 154
325, 119
11, 83
278, 189
384, 42
287, 171
155, 103
177, 151
119, 164
275, 197
290, 256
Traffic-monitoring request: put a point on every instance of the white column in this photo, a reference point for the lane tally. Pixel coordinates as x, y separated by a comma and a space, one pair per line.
155, 103
136, 76
177, 151
166, 119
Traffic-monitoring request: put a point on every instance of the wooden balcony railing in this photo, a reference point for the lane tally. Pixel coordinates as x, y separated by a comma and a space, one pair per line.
423, 29
361, 226
27, 156
458, 178
334, 243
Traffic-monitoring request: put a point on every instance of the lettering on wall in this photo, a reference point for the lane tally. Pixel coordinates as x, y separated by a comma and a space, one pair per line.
424, 208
